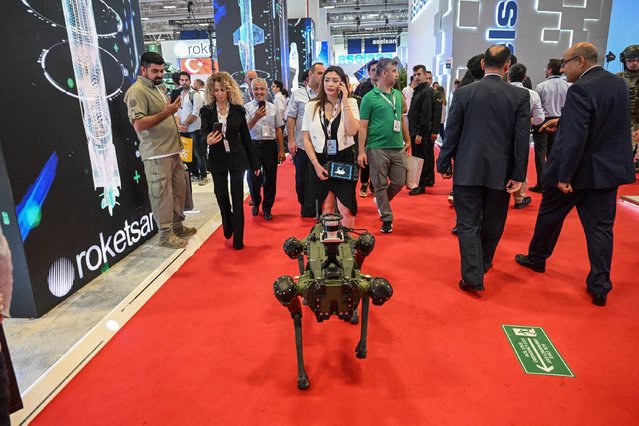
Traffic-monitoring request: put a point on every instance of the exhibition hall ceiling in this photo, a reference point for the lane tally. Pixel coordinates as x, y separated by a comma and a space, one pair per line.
344, 17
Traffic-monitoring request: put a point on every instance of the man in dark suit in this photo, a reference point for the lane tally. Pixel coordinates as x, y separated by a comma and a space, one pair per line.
591, 157
424, 119
487, 138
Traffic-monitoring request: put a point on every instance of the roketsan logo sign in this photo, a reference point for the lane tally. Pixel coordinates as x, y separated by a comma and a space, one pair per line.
62, 272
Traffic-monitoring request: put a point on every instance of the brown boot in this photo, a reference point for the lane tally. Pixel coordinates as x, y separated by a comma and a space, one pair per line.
172, 241
184, 231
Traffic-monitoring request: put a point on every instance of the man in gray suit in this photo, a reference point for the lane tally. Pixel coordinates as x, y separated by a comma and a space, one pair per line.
487, 140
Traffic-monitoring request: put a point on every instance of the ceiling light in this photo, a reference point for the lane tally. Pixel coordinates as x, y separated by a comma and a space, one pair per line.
169, 7
144, 19
329, 7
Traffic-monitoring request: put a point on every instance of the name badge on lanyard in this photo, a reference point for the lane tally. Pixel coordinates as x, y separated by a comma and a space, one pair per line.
331, 143
397, 124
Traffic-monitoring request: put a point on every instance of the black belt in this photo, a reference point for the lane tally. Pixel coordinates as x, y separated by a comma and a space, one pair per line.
263, 141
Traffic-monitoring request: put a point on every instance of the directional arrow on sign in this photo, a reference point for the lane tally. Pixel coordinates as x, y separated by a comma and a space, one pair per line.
543, 366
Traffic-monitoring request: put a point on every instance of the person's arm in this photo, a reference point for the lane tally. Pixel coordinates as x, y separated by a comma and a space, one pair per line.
321, 172
453, 132
406, 136
291, 114
436, 118
147, 122
575, 121
279, 136
256, 116
245, 137
351, 116
522, 143
538, 114
361, 142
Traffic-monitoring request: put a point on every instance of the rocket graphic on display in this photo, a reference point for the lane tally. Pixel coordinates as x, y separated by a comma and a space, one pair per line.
89, 76
247, 36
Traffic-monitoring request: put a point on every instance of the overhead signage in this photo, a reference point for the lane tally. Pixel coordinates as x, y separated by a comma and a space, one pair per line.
535, 351
362, 58
187, 48
506, 19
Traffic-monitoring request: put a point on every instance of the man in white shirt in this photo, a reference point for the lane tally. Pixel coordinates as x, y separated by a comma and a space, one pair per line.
295, 117
552, 93
516, 76
265, 124
408, 92
189, 125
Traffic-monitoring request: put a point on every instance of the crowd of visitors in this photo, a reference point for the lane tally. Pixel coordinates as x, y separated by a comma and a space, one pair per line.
578, 118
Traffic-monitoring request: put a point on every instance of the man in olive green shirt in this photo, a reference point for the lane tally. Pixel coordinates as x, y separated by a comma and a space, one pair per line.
385, 134
152, 114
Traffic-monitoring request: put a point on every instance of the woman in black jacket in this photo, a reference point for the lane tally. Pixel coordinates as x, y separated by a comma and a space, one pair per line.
230, 151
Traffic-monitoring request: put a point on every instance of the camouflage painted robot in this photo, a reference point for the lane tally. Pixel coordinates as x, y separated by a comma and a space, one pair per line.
630, 60
331, 281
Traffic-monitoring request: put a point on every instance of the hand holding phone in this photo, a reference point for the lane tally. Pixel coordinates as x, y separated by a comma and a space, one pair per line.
261, 104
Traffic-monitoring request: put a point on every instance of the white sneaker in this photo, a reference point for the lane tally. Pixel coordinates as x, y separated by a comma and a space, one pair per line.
203, 181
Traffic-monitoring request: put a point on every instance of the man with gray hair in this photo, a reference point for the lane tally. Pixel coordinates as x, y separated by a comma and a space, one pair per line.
383, 131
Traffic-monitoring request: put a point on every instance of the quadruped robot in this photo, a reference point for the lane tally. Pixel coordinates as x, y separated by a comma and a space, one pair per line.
331, 281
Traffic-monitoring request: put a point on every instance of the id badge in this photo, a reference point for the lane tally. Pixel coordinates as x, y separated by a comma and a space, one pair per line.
331, 147
227, 147
397, 126
267, 132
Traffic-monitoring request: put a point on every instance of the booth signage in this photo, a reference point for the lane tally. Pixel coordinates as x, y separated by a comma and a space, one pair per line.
506, 19
535, 351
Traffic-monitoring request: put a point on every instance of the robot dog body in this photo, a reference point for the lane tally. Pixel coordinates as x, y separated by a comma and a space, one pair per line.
330, 281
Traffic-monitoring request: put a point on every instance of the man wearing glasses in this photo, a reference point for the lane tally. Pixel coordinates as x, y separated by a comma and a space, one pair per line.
630, 60
590, 160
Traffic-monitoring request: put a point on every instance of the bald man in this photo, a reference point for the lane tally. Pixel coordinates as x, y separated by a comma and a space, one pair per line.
590, 159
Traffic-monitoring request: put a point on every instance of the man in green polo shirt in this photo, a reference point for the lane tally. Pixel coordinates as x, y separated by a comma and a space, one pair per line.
151, 115
384, 132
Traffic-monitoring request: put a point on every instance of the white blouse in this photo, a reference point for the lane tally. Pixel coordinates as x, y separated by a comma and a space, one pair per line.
312, 124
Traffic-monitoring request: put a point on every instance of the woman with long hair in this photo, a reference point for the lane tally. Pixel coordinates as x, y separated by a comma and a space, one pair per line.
330, 122
231, 152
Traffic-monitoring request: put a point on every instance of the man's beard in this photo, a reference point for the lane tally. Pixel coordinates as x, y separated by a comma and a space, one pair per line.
157, 81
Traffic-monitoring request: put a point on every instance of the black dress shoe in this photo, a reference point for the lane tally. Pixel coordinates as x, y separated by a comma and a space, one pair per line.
525, 202
238, 245
524, 261
536, 188
255, 210
251, 202
598, 299
268, 215
470, 288
418, 190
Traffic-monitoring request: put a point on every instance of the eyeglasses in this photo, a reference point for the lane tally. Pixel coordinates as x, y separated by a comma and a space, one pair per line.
563, 62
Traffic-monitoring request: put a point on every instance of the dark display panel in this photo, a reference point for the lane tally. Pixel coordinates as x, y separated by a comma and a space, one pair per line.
71, 154
301, 38
252, 36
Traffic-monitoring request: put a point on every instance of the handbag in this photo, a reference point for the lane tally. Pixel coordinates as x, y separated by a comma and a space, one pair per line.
342, 171
186, 153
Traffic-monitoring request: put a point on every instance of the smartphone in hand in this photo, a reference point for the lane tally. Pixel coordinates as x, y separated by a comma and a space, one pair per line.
217, 127
261, 104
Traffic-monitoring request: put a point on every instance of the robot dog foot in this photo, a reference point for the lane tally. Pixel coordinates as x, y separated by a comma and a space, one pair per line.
361, 351
302, 382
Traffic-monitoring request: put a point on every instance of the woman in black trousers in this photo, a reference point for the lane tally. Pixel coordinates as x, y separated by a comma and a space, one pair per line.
230, 151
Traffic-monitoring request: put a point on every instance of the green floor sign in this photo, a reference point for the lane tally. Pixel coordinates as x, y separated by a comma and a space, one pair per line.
535, 351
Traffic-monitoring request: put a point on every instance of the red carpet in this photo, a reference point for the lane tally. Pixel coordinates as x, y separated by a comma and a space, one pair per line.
214, 347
